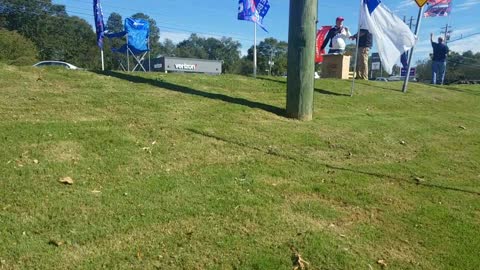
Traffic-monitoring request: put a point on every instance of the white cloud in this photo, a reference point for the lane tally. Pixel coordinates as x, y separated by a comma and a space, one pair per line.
467, 44
176, 37
468, 4
463, 31
404, 5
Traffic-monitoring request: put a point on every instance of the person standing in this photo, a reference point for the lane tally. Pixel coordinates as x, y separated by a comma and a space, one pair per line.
439, 60
336, 37
364, 46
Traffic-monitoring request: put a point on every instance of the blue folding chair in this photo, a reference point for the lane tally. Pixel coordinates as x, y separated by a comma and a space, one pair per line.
138, 42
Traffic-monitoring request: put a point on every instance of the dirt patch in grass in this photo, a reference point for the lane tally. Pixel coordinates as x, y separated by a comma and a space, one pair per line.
64, 151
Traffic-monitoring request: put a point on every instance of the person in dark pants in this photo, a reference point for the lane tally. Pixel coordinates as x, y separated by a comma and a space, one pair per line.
336, 37
439, 60
364, 45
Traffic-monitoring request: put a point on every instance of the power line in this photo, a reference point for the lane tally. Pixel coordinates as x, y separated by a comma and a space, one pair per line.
464, 37
161, 26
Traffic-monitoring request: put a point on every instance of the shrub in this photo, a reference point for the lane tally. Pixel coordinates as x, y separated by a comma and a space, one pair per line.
16, 49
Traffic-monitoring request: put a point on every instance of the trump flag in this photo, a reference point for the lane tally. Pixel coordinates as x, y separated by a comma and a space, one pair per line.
253, 10
99, 26
391, 34
438, 8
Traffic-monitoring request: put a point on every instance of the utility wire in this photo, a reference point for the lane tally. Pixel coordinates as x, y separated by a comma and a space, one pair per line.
161, 26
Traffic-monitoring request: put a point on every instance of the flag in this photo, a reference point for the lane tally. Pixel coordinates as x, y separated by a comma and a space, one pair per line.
253, 10
438, 8
391, 34
99, 25
320, 38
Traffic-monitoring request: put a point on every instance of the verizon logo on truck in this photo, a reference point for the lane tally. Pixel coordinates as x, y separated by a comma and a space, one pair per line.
185, 66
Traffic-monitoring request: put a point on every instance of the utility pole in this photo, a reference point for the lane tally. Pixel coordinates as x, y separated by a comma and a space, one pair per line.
301, 58
446, 33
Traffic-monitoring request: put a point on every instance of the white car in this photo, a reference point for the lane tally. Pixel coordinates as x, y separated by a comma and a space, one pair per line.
381, 79
55, 64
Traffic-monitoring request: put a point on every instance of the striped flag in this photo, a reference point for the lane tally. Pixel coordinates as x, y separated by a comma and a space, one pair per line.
438, 8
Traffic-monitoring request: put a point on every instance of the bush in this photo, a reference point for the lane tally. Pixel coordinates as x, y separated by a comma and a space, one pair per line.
16, 49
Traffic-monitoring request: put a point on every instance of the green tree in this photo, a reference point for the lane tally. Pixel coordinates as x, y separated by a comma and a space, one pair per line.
193, 47
114, 23
16, 49
168, 48
271, 56
56, 35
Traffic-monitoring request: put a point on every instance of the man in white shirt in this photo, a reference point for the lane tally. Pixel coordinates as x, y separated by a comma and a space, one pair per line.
336, 37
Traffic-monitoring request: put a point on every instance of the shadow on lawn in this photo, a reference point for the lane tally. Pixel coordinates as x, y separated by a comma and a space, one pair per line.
447, 87
187, 90
320, 91
301, 159
405, 180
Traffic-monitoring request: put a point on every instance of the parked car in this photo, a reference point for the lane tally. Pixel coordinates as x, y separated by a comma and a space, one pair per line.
381, 79
55, 64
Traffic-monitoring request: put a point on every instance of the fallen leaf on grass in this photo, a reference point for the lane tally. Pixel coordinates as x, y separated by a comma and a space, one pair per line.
55, 243
298, 262
66, 181
35, 161
419, 179
462, 127
382, 263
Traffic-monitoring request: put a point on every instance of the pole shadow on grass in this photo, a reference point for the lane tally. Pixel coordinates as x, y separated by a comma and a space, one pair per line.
301, 159
320, 91
465, 91
190, 91
378, 175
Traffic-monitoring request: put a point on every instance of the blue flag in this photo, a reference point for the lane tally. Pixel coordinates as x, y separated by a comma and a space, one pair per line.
253, 10
99, 26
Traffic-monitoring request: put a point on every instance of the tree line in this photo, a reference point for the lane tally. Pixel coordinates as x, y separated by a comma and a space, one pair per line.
32, 30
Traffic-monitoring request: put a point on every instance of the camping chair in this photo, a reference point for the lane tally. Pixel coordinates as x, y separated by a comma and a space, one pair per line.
137, 46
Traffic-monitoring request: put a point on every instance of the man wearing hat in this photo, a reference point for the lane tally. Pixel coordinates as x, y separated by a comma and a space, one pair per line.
439, 60
336, 37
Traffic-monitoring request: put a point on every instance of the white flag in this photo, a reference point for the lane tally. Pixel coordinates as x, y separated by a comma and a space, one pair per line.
392, 36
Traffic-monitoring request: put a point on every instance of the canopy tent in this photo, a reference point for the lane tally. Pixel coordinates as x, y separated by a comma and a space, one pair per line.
137, 32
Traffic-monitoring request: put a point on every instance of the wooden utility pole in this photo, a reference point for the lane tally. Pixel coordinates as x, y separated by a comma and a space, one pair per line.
301, 58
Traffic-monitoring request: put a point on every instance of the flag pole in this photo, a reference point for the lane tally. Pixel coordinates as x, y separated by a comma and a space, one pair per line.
103, 62
356, 49
410, 55
255, 51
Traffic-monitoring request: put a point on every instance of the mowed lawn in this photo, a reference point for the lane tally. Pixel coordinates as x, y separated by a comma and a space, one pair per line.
177, 171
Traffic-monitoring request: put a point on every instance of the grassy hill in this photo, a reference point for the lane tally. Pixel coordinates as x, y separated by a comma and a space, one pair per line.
175, 171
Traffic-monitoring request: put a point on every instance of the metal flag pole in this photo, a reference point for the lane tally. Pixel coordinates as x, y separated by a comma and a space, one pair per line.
410, 56
356, 49
149, 55
128, 57
255, 51
103, 62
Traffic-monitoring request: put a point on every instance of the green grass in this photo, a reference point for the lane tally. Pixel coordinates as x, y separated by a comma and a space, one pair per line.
177, 171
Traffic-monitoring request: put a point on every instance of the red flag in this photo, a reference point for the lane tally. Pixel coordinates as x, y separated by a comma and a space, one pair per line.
438, 8
320, 38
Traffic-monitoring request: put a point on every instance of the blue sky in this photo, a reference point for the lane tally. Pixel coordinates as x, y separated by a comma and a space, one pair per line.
177, 19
